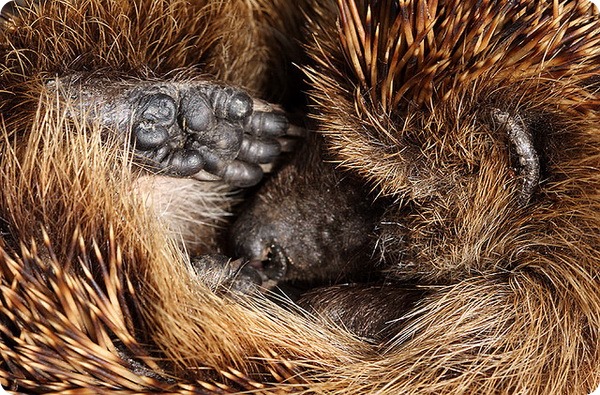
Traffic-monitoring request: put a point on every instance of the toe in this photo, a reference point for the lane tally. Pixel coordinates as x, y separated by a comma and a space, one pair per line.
158, 108
147, 136
183, 163
267, 124
197, 114
232, 104
259, 151
242, 174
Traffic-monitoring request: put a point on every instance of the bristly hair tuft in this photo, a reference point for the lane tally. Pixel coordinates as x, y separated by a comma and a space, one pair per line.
404, 51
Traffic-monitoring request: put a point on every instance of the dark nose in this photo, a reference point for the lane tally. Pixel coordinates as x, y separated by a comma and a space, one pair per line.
257, 242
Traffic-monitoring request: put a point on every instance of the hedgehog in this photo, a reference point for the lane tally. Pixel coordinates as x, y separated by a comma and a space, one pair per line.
107, 106
472, 128
125, 129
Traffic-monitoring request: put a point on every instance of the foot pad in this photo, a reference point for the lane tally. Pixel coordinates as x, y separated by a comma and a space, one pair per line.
182, 128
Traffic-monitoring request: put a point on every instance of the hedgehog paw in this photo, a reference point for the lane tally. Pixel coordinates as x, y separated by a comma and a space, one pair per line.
528, 159
211, 128
194, 128
221, 273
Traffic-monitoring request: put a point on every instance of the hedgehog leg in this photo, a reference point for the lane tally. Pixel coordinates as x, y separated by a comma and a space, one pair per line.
182, 129
220, 273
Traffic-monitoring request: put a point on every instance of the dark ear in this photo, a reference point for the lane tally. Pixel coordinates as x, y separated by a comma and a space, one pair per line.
521, 140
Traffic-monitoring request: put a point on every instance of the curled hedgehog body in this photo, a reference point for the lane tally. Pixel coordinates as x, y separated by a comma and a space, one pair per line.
474, 123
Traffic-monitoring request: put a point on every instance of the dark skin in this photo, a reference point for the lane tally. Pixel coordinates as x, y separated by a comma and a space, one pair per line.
314, 227
310, 224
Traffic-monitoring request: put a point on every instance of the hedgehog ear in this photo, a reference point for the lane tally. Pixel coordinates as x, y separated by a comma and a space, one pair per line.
521, 139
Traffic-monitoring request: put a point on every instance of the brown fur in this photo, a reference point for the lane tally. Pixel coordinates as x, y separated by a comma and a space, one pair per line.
519, 305
69, 217
405, 95
96, 298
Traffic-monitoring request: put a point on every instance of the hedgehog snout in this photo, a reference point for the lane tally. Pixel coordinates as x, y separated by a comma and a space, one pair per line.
257, 242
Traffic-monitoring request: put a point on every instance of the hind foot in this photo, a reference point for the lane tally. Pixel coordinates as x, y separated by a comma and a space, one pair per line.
205, 127
196, 128
221, 273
